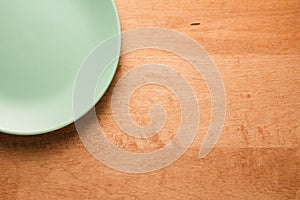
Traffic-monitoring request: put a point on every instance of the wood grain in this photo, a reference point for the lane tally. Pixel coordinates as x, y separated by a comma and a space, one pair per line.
256, 46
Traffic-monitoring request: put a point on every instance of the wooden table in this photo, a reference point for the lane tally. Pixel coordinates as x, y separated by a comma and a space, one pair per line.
256, 46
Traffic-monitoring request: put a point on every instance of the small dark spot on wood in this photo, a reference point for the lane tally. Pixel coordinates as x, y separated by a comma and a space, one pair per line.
195, 24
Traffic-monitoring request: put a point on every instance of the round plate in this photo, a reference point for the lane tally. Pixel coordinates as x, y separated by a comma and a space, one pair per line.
42, 46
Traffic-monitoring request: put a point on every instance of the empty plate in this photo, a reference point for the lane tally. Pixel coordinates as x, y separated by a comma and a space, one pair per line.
43, 44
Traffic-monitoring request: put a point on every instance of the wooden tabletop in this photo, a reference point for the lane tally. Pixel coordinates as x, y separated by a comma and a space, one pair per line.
256, 47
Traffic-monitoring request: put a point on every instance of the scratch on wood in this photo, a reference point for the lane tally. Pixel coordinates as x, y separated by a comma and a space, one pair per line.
195, 24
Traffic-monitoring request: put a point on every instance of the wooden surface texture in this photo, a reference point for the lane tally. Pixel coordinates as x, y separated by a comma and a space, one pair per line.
256, 47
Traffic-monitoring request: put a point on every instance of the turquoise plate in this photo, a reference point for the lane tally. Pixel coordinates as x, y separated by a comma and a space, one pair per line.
43, 44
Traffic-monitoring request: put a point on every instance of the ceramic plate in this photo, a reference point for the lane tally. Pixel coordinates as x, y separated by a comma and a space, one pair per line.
42, 46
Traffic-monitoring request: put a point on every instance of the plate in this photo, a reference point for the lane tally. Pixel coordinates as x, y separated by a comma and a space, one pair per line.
43, 44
